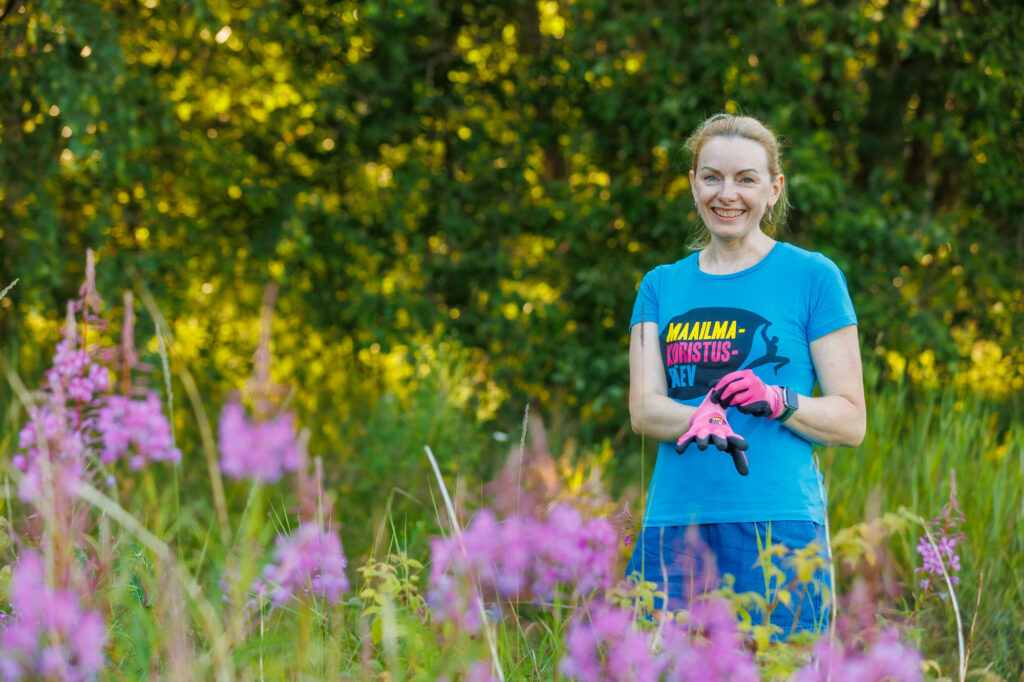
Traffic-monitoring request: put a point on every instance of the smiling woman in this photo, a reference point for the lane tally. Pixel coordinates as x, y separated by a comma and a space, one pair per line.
751, 324
734, 188
751, 172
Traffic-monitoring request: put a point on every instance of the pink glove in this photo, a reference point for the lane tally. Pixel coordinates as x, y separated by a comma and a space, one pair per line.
748, 394
708, 424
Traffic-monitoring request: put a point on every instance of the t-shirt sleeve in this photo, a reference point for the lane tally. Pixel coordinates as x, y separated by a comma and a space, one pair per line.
645, 309
830, 304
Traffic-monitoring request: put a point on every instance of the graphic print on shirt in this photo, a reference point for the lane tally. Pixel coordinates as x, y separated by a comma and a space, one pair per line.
702, 345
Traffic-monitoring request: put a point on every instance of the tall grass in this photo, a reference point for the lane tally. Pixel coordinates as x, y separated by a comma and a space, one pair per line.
172, 576
915, 438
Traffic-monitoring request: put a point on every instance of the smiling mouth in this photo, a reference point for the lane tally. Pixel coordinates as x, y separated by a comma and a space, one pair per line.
727, 212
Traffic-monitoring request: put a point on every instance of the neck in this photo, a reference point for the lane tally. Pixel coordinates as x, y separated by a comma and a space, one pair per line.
727, 257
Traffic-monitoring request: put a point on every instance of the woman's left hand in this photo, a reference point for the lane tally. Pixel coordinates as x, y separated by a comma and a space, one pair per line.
748, 394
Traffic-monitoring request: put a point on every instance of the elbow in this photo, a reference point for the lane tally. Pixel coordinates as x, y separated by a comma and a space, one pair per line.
636, 420
854, 424
859, 425
858, 435
855, 433
854, 439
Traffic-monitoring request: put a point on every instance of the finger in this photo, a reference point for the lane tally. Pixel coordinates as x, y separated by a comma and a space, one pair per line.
740, 461
684, 442
720, 443
736, 392
738, 397
737, 442
721, 393
758, 408
702, 443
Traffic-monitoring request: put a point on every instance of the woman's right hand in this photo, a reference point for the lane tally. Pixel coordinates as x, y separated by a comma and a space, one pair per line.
709, 425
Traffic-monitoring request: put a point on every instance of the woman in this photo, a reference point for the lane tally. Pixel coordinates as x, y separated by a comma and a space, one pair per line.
726, 346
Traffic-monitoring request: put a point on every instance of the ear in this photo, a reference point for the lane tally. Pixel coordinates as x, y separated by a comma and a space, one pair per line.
777, 184
693, 189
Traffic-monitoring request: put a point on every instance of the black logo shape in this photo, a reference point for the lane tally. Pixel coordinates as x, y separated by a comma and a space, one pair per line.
702, 345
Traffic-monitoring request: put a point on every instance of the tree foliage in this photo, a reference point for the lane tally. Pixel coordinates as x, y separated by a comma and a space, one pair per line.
502, 174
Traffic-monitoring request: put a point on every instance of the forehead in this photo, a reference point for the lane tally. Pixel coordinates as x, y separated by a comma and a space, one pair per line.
732, 154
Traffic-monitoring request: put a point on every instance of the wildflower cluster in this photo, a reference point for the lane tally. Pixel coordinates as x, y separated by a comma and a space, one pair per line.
309, 561
74, 375
604, 642
933, 559
136, 429
941, 557
77, 412
477, 671
58, 438
51, 636
708, 646
262, 451
55, 440
518, 559
886, 659
77, 426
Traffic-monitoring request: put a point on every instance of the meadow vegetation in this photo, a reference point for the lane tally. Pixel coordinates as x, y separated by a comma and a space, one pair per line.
501, 557
328, 235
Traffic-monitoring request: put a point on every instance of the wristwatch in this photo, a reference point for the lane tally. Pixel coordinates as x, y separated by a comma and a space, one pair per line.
790, 403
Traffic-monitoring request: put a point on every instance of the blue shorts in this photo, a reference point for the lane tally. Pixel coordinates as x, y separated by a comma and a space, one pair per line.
695, 565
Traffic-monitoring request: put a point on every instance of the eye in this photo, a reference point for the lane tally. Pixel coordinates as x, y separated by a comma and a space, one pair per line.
709, 178
748, 180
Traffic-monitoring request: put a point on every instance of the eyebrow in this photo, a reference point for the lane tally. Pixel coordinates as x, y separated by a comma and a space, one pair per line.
715, 170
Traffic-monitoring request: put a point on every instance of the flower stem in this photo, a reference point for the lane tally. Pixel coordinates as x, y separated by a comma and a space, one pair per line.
458, 534
952, 600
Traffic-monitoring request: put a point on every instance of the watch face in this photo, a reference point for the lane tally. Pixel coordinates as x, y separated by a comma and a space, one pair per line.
791, 399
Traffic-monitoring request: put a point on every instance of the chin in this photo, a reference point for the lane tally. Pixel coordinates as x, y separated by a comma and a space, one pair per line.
730, 233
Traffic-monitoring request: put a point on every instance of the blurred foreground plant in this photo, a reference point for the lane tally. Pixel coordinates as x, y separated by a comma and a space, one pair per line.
51, 636
75, 434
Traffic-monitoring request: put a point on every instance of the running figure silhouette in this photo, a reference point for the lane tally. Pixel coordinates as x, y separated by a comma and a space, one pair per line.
771, 346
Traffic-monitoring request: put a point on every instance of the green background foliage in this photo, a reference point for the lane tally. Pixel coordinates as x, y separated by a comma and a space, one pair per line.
505, 174
458, 199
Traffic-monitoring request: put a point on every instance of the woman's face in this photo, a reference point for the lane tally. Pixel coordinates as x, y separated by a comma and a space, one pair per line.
733, 186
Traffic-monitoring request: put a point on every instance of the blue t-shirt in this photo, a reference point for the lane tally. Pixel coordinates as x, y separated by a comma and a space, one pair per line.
763, 319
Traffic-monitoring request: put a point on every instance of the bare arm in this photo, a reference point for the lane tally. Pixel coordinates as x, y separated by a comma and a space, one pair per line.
838, 416
651, 411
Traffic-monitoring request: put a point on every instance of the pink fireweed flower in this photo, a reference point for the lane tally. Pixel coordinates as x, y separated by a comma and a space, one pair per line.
55, 441
887, 659
708, 647
54, 447
518, 559
627, 526
573, 551
73, 374
310, 560
137, 428
262, 451
946, 537
604, 643
52, 429
478, 671
934, 561
51, 636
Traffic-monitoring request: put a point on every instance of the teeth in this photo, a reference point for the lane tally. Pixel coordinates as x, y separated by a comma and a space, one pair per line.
728, 213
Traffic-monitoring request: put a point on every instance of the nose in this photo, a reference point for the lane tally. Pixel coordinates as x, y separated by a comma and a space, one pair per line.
728, 190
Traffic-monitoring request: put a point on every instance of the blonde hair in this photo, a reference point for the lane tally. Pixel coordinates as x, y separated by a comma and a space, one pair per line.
727, 125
